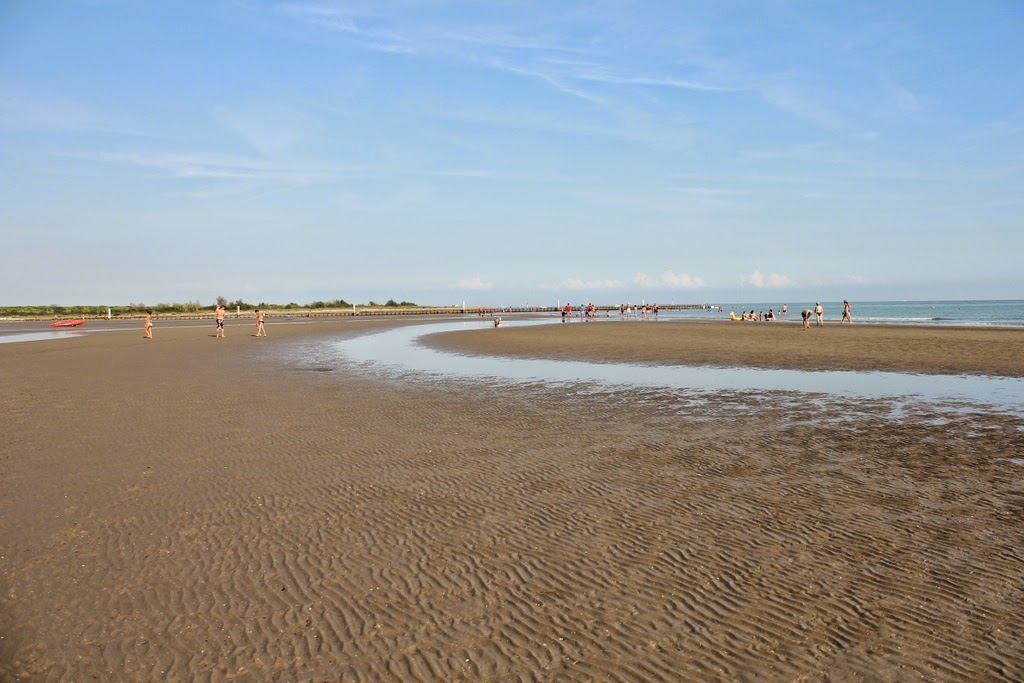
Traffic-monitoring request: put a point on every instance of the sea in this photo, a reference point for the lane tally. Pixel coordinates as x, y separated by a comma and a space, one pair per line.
979, 313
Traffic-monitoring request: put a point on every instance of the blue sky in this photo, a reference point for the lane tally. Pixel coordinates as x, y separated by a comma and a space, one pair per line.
503, 153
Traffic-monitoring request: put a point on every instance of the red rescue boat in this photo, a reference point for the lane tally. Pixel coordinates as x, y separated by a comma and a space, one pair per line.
69, 323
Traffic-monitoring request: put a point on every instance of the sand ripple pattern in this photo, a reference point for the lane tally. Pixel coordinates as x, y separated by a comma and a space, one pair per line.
325, 526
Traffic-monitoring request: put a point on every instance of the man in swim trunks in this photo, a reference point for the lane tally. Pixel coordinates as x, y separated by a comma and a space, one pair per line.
220, 321
260, 330
806, 314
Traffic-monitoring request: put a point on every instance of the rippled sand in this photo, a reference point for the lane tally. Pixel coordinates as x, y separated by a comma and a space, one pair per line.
200, 509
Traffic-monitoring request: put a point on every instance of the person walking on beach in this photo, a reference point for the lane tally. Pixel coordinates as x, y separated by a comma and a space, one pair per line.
806, 314
819, 314
149, 323
846, 313
220, 321
260, 330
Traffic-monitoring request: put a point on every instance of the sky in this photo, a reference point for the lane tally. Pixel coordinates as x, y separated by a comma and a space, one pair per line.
510, 153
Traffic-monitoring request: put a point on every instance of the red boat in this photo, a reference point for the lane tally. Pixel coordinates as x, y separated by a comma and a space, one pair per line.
69, 323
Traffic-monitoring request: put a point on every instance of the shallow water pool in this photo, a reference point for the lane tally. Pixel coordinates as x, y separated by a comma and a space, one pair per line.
398, 350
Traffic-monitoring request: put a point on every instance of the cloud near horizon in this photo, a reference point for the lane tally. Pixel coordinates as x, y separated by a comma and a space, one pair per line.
670, 279
574, 283
770, 281
472, 283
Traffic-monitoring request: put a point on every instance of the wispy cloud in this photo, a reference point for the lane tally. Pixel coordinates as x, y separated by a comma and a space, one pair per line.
473, 173
1010, 127
573, 283
667, 280
482, 36
671, 280
643, 128
554, 80
682, 280
472, 284
789, 96
561, 61
905, 100
327, 16
270, 130
212, 166
20, 110
355, 25
601, 73
770, 281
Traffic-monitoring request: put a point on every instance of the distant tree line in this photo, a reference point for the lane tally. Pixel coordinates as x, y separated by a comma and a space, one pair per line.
57, 310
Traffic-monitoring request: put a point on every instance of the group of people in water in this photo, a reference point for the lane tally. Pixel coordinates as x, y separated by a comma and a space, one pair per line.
762, 316
755, 316
588, 311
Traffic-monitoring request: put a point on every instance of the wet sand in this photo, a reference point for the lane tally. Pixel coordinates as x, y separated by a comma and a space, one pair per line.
199, 509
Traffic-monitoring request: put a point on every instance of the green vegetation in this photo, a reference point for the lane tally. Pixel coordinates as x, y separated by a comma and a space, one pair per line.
190, 307
337, 303
56, 310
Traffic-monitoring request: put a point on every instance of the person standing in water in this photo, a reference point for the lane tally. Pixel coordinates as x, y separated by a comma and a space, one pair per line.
846, 313
220, 321
260, 330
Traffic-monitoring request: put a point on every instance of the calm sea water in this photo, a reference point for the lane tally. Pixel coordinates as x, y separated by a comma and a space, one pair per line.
995, 313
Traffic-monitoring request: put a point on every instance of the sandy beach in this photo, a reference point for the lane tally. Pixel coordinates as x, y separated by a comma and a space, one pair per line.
938, 350
240, 509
